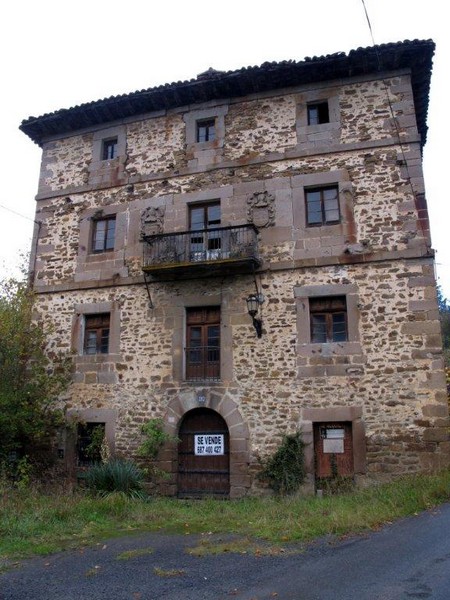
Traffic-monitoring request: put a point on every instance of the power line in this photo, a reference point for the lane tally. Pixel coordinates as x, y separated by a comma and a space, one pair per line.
368, 22
394, 119
19, 214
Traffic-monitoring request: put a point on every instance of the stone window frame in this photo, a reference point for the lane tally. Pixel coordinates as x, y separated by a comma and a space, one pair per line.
106, 170
179, 340
94, 228
314, 358
78, 331
86, 254
335, 414
302, 295
322, 133
90, 415
191, 119
339, 178
178, 220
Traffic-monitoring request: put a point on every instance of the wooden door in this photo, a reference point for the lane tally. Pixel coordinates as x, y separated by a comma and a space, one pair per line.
203, 455
333, 450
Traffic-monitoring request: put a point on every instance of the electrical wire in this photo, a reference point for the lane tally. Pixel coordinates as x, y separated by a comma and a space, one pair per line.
19, 214
395, 122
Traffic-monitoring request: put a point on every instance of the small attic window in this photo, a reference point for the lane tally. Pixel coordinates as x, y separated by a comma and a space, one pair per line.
109, 149
206, 130
318, 113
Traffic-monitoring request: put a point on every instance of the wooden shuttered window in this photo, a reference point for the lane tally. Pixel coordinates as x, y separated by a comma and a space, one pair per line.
96, 333
328, 316
203, 343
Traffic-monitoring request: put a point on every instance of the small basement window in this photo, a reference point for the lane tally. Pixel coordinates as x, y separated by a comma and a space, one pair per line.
90, 438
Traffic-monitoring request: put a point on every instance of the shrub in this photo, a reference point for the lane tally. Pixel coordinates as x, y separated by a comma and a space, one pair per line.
285, 470
116, 475
30, 383
154, 438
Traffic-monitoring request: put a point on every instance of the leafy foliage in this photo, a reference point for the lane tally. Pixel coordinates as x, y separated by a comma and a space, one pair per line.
155, 438
285, 470
444, 316
117, 475
29, 382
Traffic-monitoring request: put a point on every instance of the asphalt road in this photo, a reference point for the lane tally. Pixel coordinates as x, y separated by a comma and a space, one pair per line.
407, 560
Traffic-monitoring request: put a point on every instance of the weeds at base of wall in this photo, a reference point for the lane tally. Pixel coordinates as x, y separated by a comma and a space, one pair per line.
332, 486
284, 471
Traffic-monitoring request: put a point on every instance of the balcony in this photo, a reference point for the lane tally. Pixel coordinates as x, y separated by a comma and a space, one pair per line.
215, 251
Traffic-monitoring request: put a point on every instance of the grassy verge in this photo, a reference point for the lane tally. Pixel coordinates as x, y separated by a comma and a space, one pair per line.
33, 524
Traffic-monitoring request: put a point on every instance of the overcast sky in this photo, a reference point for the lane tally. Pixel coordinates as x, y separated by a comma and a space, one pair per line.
58, 54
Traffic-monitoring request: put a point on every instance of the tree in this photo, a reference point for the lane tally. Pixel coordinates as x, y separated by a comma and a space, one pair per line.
444, 316
30, 382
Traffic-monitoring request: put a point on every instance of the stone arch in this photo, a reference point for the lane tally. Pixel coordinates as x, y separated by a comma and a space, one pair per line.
227, 408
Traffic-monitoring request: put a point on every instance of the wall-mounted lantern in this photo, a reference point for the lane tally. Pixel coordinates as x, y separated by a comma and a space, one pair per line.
254, 301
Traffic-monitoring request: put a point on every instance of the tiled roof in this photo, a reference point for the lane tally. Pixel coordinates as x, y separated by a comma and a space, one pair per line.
416, 55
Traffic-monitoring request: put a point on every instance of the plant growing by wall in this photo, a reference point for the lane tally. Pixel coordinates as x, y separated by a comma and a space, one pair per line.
116, 476
30, 382
285, 469
154, 439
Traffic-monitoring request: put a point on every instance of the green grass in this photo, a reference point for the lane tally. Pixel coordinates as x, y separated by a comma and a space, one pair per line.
35, 524
130, 554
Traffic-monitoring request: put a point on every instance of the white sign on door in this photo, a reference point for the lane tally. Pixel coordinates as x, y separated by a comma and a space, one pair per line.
207, 444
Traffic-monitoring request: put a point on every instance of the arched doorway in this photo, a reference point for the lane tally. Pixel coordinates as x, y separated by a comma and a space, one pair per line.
203, 455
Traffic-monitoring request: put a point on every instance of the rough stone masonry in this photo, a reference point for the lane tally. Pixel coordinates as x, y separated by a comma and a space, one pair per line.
383, 380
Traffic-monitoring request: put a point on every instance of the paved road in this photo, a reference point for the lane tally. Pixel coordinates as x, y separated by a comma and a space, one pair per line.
405, 561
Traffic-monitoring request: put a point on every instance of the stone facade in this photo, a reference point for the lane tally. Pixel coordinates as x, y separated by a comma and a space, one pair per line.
385, 378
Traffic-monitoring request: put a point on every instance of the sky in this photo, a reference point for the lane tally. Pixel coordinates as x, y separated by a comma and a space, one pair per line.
58, 54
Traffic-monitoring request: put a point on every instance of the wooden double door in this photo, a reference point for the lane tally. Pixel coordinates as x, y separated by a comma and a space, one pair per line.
203, 455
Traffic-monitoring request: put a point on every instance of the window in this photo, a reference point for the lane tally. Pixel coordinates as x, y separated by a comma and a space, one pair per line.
206, 130
104, 234
322, 206
205, 238
90, 438
109, 149
203, 343
328, 317
96, 333
318, 113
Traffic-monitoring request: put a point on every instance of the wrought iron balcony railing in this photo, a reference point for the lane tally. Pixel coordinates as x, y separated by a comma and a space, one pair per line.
226, 248
202, 363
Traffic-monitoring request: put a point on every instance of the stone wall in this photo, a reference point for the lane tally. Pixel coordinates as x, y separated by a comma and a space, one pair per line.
396, 376
387, 378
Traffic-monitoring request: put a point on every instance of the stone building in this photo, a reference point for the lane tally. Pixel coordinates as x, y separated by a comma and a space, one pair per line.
244, 255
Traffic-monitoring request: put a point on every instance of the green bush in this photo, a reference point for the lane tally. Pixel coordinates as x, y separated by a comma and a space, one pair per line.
285, 470
154, 438
116, 475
